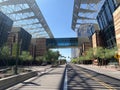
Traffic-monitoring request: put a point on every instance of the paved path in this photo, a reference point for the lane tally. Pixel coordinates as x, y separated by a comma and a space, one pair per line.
103, 70
49, 80
37, 68
80, 78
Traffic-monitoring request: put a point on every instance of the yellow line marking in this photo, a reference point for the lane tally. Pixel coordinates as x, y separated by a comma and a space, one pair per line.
99, 81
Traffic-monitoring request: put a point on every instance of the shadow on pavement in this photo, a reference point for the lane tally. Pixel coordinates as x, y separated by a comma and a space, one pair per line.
77, 80
106, 79
30, 83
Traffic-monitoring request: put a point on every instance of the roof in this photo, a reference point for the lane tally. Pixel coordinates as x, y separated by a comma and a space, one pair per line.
26, 14
85, 12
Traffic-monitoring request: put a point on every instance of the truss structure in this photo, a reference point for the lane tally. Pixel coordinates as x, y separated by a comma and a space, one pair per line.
84, 13
26, 14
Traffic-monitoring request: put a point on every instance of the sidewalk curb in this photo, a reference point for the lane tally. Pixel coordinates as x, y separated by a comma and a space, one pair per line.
61, 85
100, 73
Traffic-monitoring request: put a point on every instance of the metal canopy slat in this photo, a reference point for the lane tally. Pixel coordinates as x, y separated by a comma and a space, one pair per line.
12, 2
21, 11
17, 17
84, 11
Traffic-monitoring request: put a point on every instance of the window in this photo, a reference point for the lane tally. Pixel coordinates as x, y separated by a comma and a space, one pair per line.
111, 4
109, 14
102, 21
104, 18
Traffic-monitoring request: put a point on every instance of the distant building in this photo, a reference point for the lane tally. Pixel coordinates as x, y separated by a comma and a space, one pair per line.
19, 35
97, 39
5, 27
38, 47
84, 34
75, 52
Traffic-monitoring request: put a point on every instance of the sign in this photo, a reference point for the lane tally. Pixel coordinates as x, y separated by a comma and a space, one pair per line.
117, 56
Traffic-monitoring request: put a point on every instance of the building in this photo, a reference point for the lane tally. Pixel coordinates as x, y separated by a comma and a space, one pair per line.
19, 35
106, 24
85, 47
97, 39
107, 33
5, 27
84, 34
117, 29
38, 47
75, 52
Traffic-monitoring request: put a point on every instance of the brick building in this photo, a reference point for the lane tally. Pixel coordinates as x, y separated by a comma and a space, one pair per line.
38, 47
97, 39
19, 35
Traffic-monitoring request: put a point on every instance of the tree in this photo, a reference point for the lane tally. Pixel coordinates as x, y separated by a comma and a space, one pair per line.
104, 53
5, 54
40, 59
90, 54
25, 56
74, 60
51, 56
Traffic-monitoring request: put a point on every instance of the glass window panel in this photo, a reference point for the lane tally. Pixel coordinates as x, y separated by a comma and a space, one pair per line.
102, 21
111, 4
109, 15
104, 18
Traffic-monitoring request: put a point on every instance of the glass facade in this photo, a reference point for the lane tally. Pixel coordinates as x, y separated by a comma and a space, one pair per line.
105, 21
86, 31
5, 28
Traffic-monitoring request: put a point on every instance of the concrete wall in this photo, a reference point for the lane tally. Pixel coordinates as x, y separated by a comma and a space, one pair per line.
12, 80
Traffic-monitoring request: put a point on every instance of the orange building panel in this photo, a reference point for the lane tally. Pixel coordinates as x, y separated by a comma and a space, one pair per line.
116, 16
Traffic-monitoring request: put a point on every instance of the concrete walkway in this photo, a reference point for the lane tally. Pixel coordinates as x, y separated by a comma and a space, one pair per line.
112, 72
48, 80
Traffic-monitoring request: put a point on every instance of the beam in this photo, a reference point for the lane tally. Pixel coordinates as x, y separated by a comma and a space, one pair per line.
12, 2
26, 18
28, 10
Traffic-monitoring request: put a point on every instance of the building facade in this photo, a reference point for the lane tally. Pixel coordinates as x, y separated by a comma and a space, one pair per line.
20, 36
38, 47
5, 27
106, 24
97, 39
75, 52
116, 16
84, 34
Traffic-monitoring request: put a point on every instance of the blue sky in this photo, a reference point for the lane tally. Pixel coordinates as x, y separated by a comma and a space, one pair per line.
58, 15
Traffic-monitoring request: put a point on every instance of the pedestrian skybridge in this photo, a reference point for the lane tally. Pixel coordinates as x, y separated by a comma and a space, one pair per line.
61, 42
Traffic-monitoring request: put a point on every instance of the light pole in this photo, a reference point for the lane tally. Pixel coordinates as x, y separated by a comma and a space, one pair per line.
17, 54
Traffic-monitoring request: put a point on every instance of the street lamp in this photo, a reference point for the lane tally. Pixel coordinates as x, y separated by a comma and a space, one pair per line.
17, 54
